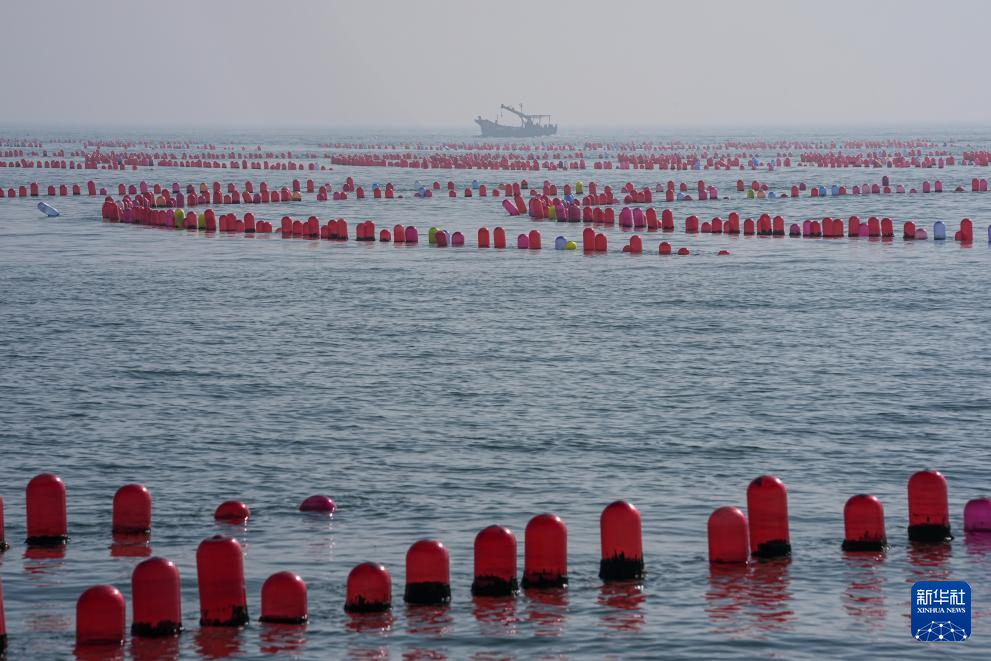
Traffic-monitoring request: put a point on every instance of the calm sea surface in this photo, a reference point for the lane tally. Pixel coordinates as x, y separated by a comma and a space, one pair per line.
434, 392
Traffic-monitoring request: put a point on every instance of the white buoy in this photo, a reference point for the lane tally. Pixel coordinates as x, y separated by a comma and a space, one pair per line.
48, 210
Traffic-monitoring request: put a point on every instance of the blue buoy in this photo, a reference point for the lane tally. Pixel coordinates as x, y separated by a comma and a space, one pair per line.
560, 242
48, 210
939, 231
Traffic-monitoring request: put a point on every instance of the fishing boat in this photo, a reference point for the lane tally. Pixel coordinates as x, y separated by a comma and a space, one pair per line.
531, 126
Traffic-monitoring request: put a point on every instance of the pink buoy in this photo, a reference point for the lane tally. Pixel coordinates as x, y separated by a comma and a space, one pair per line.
977, 515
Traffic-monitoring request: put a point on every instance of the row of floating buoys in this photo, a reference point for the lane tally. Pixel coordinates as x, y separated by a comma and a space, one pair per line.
179, 200
629, 218
157, 604
47, 520
735, 539
220, 572
632, 195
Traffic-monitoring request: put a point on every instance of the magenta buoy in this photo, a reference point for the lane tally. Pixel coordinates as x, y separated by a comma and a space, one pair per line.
977, 515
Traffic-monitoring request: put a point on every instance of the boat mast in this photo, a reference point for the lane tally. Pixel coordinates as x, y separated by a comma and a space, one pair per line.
525, 118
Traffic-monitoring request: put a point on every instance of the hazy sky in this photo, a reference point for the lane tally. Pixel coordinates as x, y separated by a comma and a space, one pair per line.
422, 63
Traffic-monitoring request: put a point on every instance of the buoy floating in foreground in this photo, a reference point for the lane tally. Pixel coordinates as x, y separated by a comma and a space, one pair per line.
46, 512
428, 579
928, 508
369, 589
767, 506
545, 553
863, 524
729, 538
220, 574
132, 510
622, 543
156, 599
495, 563
100, 616
284, 599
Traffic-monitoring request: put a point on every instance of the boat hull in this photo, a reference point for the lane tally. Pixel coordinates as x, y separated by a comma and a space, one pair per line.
491, 129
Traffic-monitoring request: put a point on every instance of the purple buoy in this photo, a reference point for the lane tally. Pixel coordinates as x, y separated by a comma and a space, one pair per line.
318, 503
794, 230
412, 236
523, 241
864, 231
977, 515
457, 239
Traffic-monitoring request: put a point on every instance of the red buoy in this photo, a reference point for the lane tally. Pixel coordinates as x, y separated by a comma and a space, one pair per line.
284, 599
499, 237
729, 540
928, 508
495, 563
46, 515
483, 237
601, 245
664, 248
220, 573
767, 505
863, 524
622, 543
428, 579
100, 616
318, 503
369, 589
132, 510
232, 511
545, 556
156, 608
534, 240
